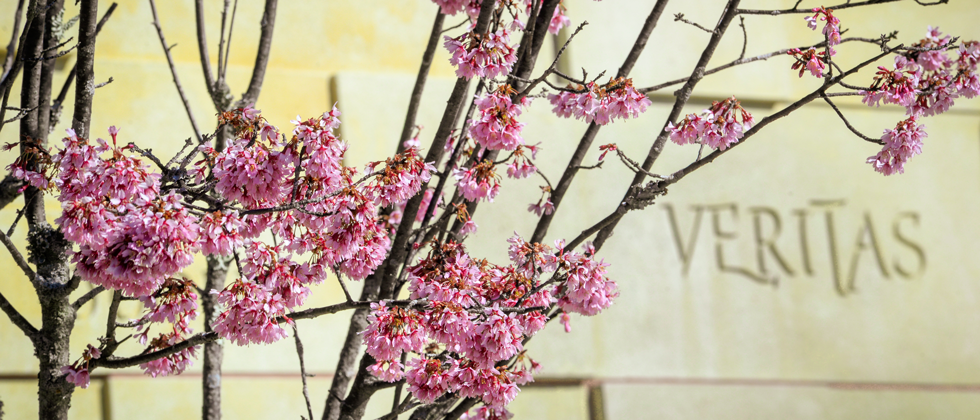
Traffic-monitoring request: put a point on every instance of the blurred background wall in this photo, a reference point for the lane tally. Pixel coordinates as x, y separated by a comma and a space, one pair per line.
786, 280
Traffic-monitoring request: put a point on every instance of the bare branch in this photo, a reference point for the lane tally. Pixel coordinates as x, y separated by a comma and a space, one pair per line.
846, 5
85, 88
761, 57
56, 105
231, 28
8, 61
16, 255
262, 56
91, 294
680, 18
202, 47
848, 124
17, 319
575, 162
302, 370
416, 99
173, 71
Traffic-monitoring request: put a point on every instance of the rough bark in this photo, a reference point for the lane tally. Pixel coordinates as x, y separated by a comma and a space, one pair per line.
49, 252
214, 350
85, 83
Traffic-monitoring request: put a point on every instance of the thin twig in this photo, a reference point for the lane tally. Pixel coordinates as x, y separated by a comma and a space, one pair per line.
16, 255
302, 367
173, 72
17, 319
342, 285
680, 18
848, 124
91, 294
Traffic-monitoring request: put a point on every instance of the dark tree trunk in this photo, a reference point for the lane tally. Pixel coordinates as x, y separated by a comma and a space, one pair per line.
214, 350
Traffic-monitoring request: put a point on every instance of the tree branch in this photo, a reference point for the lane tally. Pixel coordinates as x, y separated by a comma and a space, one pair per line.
846, 5
8, 61
416, 98
85, 88
17, 319
575, 162
173, 72
17, 256
302, 369
57, 104
848, 124
91, 294
125, 362
682, 97
202, 47
262, 56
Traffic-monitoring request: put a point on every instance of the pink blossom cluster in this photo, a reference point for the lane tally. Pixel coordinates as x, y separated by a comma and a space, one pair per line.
521, 166
809, 60
831, 29
221, 232
892, 87
175, 302
250, 316
174, 364
717, 127
478, 182
587, 290
481, 55
253, 172
480, 314
926, 81
78, 372
496, 127
901, 144
149, 244
487, 413
400, 179
601, 104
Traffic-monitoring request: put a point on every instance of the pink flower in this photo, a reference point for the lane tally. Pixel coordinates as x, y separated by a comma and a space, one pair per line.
250, 314
892, 87
151, 244
497, 127
451, 7
392, 331
478, 182
558, 20
429, 379
901, 144
220, 233
387, 370
547, 207
601, 104
488, 413
481, 55
718, 127
469, 227
831, 30
809, 60
587, 290
174, 364
497, 337
79, 377
401, 178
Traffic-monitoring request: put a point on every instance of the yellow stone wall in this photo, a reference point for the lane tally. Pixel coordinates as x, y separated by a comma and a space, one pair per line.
720, 330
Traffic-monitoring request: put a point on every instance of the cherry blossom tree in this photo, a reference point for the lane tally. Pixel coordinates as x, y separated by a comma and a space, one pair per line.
445, 328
